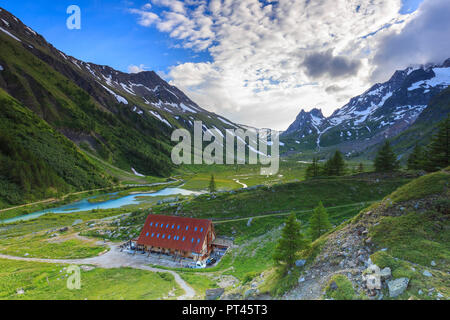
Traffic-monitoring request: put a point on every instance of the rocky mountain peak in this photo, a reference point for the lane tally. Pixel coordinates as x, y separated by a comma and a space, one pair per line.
383, 111
306, 121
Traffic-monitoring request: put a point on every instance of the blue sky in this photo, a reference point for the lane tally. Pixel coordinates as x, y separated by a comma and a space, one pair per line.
109, 34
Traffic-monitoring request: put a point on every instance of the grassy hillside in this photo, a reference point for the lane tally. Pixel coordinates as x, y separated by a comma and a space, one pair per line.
42, 281
290, 196
408, 231
36, 161
112, 131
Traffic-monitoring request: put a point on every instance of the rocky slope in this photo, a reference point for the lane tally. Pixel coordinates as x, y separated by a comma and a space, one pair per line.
384, 111
396, 249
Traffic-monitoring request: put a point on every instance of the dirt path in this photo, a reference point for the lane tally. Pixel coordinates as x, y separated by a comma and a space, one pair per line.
242, 184
115, 259
286, 213
313, 288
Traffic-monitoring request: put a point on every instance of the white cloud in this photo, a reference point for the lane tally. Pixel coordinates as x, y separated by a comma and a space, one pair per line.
261, 71
146, 18
147, 6
136, 69
425, 39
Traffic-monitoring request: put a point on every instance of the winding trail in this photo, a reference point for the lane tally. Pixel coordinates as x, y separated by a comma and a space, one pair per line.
115, 259
242, 184
288, 212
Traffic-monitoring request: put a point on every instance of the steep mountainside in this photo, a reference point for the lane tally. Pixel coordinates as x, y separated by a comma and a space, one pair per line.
396, 249
126, 119
412, 96
36, 161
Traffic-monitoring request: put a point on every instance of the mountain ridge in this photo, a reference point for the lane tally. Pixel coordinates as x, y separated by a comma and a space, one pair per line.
383, 111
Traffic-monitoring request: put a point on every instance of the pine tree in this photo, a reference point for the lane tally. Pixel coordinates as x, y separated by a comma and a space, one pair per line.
416, 158
212, 185
386, 160
335, 166
290, 243
319, 223
312, 170
439, 148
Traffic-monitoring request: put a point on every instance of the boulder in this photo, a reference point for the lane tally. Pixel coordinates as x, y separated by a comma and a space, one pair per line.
300, 263
373, 269
373, 281
385, 274
213, 294
427, 273
249, 293
231, 296
397, 286
333, 285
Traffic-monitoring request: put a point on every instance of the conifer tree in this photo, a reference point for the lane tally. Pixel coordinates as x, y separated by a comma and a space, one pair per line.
312, 170
439, 148
335, 166
291, 241
319, 223
416, 158
386, 160
212, 185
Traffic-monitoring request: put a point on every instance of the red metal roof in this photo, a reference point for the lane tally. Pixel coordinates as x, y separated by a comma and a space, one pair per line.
178, 233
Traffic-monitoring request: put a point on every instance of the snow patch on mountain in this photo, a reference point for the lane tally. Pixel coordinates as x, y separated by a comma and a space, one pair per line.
10, 34
119, 98
186, 108
158, 116
442, 78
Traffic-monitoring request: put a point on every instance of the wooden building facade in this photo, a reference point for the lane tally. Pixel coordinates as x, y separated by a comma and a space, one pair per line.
177, 236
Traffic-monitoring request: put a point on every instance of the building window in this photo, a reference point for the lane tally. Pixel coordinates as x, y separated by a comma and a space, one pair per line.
163, 236
201, 230
157, 235
151, 224
168, 237
198, 240
146, 234
167, 225
192, 240
183, 238
195, 229
187, 227
156, 224
153, 234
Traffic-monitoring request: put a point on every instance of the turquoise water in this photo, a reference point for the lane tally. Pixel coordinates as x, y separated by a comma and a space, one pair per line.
85, 205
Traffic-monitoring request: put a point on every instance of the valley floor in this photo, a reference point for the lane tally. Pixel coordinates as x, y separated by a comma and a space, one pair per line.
34, 254
114, 258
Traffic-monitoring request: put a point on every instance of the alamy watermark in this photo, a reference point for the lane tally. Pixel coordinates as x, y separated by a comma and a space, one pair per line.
74, 280
233, 149
74, 20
